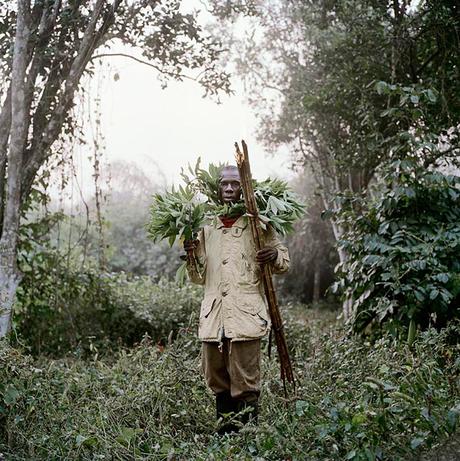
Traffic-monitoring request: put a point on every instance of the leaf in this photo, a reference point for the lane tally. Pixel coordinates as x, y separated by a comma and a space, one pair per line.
411, 332
181, 274
386, 276
279, 204
431, 95
371, 259
443, 278
90, 441
416, 442
373, 386
300, 407
358, 419
351, 454
10, 395
127, 434
381, 87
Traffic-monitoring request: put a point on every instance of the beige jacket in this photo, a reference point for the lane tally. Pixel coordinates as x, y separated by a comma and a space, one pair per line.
234, 304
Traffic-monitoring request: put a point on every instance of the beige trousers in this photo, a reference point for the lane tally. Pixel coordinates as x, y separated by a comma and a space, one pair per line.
235, 368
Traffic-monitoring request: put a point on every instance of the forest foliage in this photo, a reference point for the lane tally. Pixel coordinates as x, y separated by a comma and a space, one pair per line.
357, 86
403, 267
355, 400
103, 361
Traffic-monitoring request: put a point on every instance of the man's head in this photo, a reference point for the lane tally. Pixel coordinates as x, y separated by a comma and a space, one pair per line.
230, 184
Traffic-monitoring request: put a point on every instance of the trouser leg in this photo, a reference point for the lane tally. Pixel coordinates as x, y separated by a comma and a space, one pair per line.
214, 364
215, 369
244, 372
233, 375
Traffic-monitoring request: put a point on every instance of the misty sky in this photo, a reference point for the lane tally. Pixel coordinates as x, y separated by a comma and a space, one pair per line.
174, 126
165, 129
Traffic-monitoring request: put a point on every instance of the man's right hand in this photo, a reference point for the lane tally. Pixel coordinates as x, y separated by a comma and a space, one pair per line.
191, 245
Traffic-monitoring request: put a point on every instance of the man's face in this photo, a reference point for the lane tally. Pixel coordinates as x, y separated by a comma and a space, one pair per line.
230, 185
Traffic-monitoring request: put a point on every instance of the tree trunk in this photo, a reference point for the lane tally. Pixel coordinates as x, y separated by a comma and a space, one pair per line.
316, 281
9, 281
347, 303
338, 232
9, 274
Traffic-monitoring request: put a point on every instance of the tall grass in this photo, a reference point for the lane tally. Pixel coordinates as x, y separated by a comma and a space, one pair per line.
355, 400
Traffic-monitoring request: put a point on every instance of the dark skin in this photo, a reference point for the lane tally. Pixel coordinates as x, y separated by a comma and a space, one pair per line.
230, 192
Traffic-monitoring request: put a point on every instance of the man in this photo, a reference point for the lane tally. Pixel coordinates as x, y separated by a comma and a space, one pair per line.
234, 315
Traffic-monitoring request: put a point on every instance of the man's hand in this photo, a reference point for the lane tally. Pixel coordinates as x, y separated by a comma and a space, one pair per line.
191, 245
266, 255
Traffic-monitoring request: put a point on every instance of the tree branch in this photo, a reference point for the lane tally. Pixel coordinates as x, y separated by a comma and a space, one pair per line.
5, 125
428, 60
141, 61
70, 80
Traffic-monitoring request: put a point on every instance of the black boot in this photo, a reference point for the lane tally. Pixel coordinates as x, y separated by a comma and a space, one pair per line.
248, 411
226, 408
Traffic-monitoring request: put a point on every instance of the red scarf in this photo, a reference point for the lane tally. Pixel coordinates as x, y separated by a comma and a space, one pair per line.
228, 222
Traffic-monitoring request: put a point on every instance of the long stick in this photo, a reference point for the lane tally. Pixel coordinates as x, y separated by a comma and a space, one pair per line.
242, 161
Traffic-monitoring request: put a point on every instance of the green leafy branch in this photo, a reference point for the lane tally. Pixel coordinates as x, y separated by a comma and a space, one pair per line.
176, 214
181, 213
277, 204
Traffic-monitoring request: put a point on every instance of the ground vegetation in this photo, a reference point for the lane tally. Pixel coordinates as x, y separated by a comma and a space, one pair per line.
355, 400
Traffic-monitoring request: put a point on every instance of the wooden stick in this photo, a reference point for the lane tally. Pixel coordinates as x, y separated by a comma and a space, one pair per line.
191, 258
242, 161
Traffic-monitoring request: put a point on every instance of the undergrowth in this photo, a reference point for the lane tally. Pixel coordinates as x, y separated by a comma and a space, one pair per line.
354, 400
79, 311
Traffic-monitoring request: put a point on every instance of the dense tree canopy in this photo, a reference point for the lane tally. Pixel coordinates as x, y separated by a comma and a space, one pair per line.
351, 86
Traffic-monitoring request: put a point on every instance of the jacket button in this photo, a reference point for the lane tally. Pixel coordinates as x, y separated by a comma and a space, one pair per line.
225, 261
224, 293
225, 231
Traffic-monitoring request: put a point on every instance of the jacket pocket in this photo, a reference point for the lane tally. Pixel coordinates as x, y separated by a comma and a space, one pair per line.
250, 309
251, 302
207, 305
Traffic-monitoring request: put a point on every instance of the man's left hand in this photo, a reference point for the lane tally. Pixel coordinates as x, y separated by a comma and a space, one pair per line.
266, 255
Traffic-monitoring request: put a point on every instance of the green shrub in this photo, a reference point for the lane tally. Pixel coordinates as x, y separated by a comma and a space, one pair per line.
65, 308
355, 400
165, 306
403, 268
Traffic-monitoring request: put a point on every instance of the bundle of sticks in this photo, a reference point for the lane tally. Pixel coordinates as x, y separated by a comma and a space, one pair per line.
242, 161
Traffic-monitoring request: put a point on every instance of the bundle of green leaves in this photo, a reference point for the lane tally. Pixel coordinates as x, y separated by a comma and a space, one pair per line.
176, 214
277, 204
183, 212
